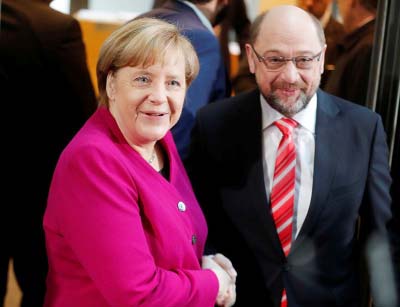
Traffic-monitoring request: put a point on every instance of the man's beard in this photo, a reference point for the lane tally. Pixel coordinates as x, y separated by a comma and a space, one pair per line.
288, 110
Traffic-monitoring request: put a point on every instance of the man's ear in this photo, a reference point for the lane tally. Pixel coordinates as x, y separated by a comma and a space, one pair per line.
249, 53
322, 59
110, 86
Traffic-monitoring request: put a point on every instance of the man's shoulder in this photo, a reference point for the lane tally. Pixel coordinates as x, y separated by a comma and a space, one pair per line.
345, 107
44, 21
177, 13
231, 106
42, 14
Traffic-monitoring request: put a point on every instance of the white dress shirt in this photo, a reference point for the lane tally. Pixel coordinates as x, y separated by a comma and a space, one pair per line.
304, 139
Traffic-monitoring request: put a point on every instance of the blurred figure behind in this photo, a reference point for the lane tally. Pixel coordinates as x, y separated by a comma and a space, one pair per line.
46, 88
236, 23
351, 76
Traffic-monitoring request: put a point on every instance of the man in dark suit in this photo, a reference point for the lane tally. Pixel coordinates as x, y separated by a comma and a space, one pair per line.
331, 189
47, 93
196, 19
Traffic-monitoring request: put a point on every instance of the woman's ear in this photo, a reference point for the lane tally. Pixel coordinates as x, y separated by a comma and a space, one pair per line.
110, 86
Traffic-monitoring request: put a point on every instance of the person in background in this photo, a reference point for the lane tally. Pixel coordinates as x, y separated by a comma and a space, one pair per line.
196, 19
351, 76
234, 23
334, 32
232, 19
294, 182
244, 80
46, 88
158, 3
122, 224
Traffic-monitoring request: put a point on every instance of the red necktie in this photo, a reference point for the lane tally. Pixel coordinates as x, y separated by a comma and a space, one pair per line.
283, 186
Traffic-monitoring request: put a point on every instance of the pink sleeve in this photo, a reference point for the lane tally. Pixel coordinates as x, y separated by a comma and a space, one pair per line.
94, 196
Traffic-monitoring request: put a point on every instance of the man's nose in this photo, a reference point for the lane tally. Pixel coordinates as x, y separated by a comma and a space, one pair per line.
289, 72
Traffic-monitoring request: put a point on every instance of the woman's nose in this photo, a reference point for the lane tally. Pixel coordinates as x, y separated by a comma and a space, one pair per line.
158, 93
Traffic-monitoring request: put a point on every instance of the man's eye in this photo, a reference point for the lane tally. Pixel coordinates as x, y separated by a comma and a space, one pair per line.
304, 59
275, 60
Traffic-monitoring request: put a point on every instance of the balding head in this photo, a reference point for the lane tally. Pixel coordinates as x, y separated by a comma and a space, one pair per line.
286, 19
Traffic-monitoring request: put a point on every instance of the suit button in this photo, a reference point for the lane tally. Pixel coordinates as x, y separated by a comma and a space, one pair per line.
194, 239
181, 206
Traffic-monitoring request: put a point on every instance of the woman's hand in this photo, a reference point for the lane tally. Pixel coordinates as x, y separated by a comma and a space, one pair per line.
226, 264
226, 274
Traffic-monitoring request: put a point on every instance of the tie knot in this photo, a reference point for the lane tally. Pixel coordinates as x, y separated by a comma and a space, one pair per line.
286, 125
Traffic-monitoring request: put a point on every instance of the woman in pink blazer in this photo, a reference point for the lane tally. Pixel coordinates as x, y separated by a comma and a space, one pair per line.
122, 225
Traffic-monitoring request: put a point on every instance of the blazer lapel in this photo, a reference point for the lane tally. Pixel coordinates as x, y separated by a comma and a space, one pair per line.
326, 140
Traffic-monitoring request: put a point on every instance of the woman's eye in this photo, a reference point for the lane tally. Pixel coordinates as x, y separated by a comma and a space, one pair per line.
142, 79
175, 83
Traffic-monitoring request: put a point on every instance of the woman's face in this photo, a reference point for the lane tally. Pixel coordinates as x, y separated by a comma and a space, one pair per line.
147, 102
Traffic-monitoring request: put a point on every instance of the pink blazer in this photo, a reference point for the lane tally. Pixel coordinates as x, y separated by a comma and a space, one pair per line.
117, 232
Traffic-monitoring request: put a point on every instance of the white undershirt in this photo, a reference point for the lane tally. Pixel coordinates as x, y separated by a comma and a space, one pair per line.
304, 139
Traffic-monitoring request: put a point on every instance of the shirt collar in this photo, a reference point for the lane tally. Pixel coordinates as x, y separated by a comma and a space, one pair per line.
204, 20
306, 117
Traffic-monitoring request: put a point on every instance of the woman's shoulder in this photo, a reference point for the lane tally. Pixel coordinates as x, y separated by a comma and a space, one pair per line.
94, 140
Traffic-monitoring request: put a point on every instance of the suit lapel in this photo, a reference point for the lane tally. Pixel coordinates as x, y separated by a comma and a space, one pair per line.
326, 140
247, 203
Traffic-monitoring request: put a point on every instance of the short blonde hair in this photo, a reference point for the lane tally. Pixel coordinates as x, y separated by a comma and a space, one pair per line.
143, 42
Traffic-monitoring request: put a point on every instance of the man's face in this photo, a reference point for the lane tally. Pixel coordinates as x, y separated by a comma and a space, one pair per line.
289, 88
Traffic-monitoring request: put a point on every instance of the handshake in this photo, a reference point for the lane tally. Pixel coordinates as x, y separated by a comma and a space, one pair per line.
226, 274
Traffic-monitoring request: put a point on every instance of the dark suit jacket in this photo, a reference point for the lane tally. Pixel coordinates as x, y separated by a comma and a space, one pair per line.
211, 83
351, 178
47, 86
47, 95
350, 78
334, 33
